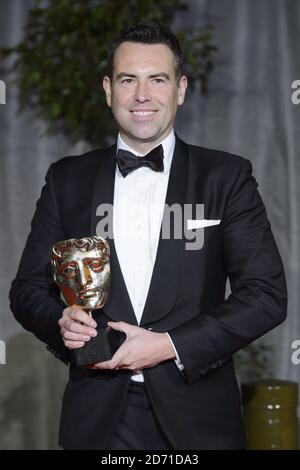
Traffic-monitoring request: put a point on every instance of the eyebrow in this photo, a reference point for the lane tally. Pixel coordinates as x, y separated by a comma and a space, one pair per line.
132, 75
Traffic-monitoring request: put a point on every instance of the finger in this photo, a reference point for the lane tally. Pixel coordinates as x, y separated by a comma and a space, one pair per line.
103, 365
106, 365
73, 344
120, 326
69, 335
76, 327
81, 317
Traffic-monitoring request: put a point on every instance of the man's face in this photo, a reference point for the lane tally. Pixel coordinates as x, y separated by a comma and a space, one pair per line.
144, 93
83, 278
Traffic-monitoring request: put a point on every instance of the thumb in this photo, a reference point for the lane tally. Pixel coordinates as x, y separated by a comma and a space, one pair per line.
119, 326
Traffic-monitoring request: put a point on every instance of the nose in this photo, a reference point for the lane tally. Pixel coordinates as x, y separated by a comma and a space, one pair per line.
142, 94
84, 275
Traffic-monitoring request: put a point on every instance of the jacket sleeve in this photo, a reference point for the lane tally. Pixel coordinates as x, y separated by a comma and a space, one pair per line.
258, 300
34, 297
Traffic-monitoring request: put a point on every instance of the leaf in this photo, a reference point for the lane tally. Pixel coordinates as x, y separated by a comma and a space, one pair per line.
60, 62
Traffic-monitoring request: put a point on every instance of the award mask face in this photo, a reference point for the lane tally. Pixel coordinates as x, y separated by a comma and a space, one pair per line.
81, 269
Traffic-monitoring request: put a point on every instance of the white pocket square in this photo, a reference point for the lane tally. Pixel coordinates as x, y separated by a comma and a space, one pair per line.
192, 224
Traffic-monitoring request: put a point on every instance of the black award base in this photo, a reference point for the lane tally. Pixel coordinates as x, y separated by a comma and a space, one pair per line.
100, 348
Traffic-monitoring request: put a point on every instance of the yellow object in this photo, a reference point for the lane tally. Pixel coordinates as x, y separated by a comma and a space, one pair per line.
270, 414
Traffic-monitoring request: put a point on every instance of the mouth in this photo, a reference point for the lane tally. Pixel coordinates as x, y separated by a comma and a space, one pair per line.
143, 115
87, 294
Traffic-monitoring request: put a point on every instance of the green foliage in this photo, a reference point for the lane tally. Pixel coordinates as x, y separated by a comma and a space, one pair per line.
253, 362
61, 61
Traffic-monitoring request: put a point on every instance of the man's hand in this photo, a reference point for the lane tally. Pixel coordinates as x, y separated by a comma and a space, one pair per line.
140, 350
76, 327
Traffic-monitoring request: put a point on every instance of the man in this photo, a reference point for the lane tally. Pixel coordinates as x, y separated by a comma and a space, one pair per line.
171, 385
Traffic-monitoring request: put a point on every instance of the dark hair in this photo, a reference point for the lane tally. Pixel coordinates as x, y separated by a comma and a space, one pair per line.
147, 32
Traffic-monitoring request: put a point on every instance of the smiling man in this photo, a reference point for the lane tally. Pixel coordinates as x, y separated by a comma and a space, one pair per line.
171, 384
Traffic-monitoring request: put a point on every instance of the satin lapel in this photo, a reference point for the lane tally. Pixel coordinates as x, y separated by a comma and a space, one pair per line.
118, 306
163, 287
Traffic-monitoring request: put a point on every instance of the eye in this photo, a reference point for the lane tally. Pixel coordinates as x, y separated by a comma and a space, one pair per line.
127, 81
158, 81
69, 271
96, 265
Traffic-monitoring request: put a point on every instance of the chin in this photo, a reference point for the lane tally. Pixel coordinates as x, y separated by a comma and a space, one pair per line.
146, 136
143, 129
94, 302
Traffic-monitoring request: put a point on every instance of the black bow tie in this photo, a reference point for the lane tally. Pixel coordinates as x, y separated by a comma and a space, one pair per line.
128, 162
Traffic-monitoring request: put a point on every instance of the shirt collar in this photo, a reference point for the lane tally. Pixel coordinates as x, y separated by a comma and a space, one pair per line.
168, 145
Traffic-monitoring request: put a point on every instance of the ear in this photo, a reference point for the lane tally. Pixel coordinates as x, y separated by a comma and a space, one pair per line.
107, 88
182, 86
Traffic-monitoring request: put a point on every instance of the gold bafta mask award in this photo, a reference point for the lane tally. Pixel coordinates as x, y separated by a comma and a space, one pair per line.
81, 269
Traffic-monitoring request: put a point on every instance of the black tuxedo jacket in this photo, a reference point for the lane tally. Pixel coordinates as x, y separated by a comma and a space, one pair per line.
198, 408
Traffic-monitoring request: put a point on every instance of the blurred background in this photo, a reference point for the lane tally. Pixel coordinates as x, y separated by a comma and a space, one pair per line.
242, 57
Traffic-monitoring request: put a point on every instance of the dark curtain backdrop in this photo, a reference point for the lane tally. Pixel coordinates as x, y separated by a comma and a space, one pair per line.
247, 111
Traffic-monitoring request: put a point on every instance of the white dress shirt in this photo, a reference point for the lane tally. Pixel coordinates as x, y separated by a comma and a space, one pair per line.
139, 200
